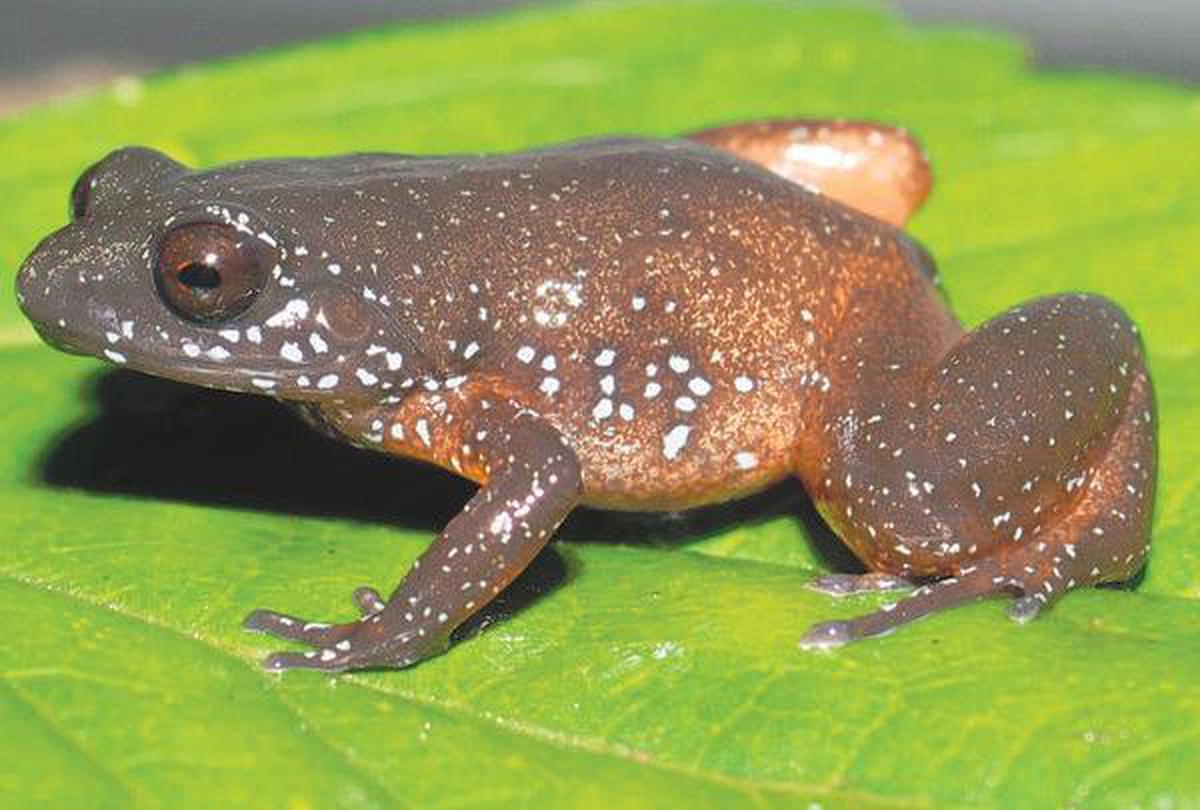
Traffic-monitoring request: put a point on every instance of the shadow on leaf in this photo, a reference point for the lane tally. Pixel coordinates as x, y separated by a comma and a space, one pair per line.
159, 439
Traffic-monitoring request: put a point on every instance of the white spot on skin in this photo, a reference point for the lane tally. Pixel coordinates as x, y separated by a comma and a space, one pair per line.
116, 357
327, 382
423, 431
318, 343
254, 334
264, 384
744, 384
626, 411
526, 354
603, 409
550, 385
293, 312
675, 440
699, 386
291, 352
365, 377
745, 460
685, 404
231, 335
653, 389
678, 364
638, 303
191, 350
394, 360
605, 358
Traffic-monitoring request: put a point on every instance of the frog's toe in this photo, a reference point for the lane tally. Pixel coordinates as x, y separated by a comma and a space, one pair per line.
281, 625
1026, 608
850, 584
972, 583
827, 635
365, 649
326, 660
369, 601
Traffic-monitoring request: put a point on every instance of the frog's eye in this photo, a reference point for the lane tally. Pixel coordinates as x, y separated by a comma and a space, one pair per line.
208, 272
81, 194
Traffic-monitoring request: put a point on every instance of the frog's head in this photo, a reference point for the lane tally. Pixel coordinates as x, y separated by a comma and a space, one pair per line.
204, 277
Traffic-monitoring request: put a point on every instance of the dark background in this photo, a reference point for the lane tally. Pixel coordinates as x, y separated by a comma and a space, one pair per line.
49, 47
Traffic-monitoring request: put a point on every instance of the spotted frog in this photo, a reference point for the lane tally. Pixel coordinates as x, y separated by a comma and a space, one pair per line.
635, 324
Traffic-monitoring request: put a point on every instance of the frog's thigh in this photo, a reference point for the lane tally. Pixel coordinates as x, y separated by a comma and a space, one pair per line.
1053, 411
532, 482
877, 169
1058, 462
1106, 534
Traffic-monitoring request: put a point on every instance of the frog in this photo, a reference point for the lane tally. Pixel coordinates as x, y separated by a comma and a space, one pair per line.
628, 323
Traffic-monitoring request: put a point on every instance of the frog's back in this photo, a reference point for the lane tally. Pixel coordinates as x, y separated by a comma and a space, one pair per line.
669, 308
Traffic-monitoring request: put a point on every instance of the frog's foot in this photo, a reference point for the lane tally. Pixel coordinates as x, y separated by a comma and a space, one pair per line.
851, 584
351, 645
972, 583
1037, 576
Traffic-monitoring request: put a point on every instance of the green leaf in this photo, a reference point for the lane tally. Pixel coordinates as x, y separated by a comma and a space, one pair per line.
643, 661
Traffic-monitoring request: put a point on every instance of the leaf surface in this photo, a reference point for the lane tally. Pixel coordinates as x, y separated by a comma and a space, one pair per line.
643, 661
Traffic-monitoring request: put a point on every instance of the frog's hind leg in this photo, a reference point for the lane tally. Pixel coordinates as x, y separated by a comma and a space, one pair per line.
877, 169
1105, 536
1024, 463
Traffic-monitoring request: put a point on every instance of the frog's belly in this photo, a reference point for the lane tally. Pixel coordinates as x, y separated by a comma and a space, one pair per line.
664, 454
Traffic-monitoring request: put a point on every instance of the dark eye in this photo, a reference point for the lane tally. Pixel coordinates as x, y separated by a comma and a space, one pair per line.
210, 273
81, 194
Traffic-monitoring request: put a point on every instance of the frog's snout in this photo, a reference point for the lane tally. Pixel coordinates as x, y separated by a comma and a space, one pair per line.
34, 290
35, 296
50, 297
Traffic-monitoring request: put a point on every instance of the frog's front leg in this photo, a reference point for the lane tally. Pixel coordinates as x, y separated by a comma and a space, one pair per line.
877, 169
532, 480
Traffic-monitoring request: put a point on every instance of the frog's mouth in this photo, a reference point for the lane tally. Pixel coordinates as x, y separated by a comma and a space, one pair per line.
56, 338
